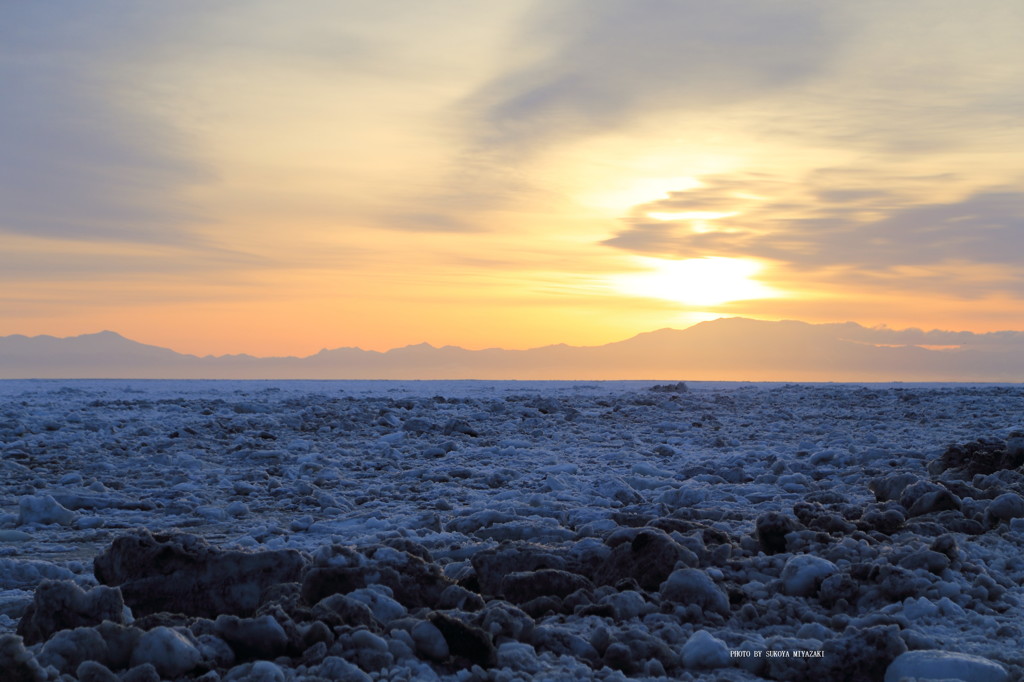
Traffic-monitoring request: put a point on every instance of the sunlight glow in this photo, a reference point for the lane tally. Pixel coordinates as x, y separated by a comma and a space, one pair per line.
639, 191
690, 215
696, 281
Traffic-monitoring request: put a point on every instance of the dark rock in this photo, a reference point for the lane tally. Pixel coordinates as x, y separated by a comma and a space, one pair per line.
332, 668
62, 604
286, 597
600, 610
458, 597
955, 522
563, 642
897, 583
929, 560
928, 526
891, 487
545, 405
503, 620
618, 657
962, 489
692, 586
417, 425
674, 525
541, 606
251, 638
409, 547
94, 671
17, 663
934, 501
339, 609
839, 589
429, 641
315, 633
816, 517
946, 544
459, 426
861, 654
678, 387
983, 456
183, 574
648, 558
925, 497
67, 649
470, 582
172, 652
314, 654
215, 651
581, 598
998, 483
524, 586
644, 647
164, 619
886, 518
771, 529
825, 497
464, 640
632, 519
414, 582
492, 565
120, 641
319, 583
1004, 508
141, 673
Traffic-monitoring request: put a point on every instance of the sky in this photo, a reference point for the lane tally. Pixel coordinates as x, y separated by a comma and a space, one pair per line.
229, 176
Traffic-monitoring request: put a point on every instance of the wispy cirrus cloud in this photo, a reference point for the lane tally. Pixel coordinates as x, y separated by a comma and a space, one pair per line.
597, 65
81, 161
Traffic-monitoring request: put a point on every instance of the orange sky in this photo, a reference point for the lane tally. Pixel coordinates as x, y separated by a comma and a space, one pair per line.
276, 178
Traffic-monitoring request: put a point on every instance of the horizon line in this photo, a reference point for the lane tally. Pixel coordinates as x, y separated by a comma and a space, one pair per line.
426, 344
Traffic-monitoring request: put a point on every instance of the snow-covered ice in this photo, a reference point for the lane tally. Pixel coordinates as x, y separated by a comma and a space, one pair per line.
941, 665
510, 530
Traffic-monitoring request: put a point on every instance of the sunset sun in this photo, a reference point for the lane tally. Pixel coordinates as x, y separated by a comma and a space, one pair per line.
696, 281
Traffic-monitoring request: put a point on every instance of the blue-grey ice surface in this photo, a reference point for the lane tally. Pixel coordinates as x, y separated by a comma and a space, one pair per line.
594, 530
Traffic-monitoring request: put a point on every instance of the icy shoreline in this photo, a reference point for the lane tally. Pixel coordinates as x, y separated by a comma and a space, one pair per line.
576, 529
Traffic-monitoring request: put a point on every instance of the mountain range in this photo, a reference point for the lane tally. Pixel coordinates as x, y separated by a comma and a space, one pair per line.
727, 349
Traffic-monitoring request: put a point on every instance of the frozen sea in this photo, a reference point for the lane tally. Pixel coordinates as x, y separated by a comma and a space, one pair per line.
504, 530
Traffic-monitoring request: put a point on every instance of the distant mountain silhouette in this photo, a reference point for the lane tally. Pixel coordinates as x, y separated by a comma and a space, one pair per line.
727, 349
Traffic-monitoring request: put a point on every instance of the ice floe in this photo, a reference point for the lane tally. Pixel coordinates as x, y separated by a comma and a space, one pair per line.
510, 531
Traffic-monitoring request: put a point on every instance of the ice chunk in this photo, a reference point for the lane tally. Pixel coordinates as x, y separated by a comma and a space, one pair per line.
1006, 507
167, 650
252, 637
384, 608
518, 656
337, 668
258, 671
62, 604
28, 573
803, 573
693, 586
429, 641
18, 662
43, 509
705, 651
68, 649
943, 665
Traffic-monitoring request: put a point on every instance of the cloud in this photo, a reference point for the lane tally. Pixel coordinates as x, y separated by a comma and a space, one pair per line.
428, 222
890, 237
607, 63
80, 160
